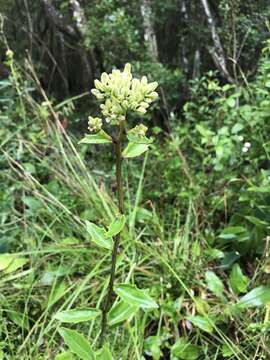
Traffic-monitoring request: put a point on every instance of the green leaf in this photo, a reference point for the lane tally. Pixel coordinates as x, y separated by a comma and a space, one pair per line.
184, 350
206, 133
238, 280
133, 150
201, 322
257, 297
104, 353
98, 235
227, 351
232, 232
134, 296
10, 263
100, 137
258, 222
139, 139
214, 284
121, 311
77, 344
116, 226
237, 127
231, 102
75, 316
64, 356
19, 319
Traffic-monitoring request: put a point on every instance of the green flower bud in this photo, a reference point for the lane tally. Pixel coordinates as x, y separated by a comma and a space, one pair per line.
152, 86
141, 111
127, 68
139, 130
120, 93
9, 54
153, 95
144, 80
98, 85
144, 105
95, 124
95, 92
104, 78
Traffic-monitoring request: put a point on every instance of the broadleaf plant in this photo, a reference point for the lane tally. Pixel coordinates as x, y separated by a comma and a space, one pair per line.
120, 94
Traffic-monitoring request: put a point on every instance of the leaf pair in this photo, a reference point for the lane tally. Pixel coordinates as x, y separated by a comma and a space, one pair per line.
132, 299
103, 238
136, 146
100, 137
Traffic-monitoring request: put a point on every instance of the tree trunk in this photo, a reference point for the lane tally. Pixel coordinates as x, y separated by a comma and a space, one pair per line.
149, 32
218, 52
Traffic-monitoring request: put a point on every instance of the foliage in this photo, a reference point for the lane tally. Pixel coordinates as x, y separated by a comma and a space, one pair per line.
196, 224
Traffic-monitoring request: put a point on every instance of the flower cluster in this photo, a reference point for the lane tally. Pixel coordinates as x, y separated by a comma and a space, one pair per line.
119, 93
94, 124
139, 130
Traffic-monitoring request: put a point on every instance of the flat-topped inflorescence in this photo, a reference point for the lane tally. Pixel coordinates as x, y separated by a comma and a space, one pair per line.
120, 93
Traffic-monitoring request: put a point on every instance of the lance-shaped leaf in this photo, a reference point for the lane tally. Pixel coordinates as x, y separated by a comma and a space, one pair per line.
121, 311
134, 296
100, 137
75, 316
133, 149
116, 226
98, 235
77, 344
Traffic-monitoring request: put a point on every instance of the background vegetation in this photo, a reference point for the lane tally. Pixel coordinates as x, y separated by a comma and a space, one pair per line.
198, 203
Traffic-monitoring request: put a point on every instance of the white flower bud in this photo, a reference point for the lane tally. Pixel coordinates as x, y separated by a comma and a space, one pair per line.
95, 124
152, 86
144, 80
104, 78
141, 111
98, 85
127, 68
119, 93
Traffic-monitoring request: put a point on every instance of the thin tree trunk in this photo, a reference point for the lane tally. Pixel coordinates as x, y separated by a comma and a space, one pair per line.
185, 62
149, 32
87, 57
218, 52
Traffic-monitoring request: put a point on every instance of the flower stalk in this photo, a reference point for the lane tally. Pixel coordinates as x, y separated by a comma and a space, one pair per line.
117, 238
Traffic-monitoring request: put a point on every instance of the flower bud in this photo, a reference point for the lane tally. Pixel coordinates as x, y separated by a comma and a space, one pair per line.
95, 124
98, 85
152, 86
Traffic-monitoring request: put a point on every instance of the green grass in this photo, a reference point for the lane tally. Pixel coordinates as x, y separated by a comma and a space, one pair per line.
164, 251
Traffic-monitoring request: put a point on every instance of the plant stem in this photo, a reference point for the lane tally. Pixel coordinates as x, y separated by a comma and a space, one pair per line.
117, 238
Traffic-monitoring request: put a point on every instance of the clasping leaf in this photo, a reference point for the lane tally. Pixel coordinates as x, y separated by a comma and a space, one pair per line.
75, 316
134, 296
116, 226
100, 137
98, 235
133, 149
